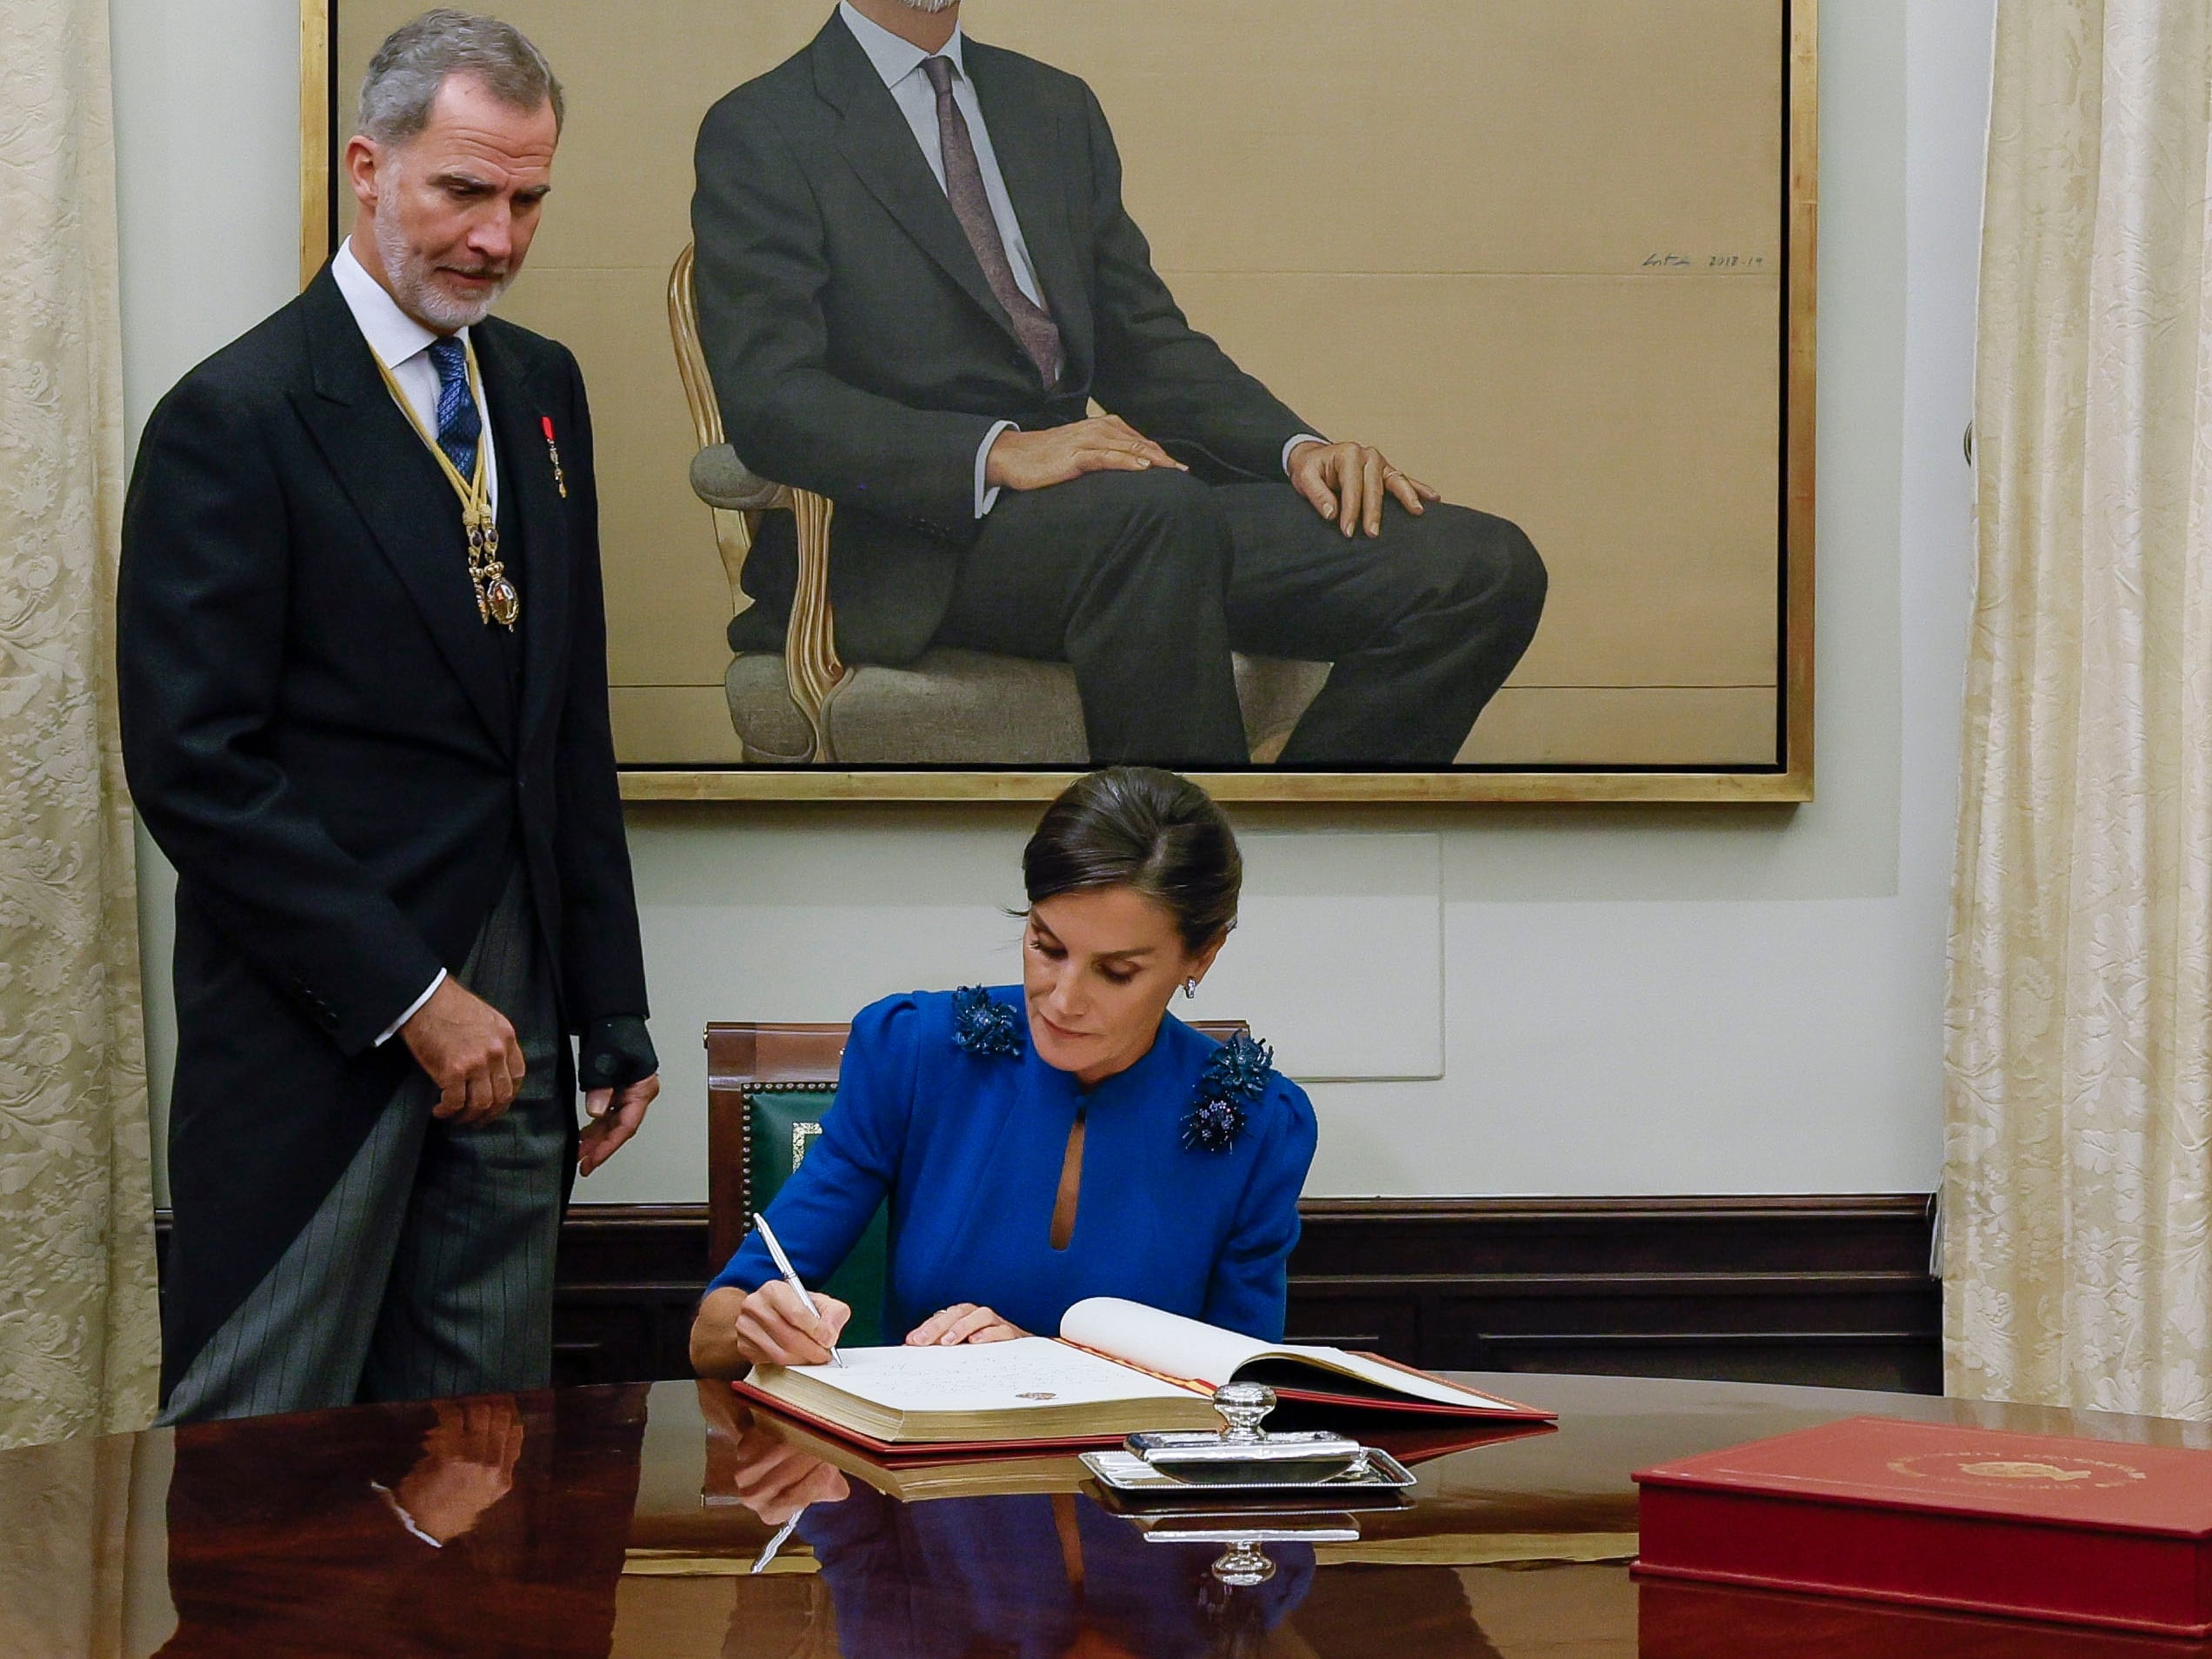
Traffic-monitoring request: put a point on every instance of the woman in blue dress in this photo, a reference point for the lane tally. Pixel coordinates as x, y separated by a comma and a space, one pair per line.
1062, 1138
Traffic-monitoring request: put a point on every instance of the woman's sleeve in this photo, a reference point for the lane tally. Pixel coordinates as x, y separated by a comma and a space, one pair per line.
1251, 1287
821, 1211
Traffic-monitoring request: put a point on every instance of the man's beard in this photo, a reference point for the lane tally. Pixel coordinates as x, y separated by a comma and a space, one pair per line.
419, 295
929, 5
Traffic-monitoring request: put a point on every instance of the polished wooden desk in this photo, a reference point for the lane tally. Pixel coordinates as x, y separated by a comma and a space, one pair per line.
624, 1521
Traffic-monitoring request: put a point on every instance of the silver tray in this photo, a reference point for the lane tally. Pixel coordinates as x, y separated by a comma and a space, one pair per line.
1126, 1476
1313, 1526
1304, 1457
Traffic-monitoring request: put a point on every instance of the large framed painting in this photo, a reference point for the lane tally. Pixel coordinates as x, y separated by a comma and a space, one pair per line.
1556, 261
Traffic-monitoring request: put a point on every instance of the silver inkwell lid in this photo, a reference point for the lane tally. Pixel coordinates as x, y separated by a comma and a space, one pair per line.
1243, 1453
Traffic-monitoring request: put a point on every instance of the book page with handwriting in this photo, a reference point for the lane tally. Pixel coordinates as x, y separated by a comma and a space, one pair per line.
1156, 1341
1024, 1373
1188, 1347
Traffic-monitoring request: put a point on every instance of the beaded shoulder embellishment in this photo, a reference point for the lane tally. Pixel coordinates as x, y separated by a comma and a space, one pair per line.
981, 1025
1234, 1076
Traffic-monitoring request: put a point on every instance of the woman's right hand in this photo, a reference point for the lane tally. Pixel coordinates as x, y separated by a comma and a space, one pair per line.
775, 1481
746, 1462
770, 1326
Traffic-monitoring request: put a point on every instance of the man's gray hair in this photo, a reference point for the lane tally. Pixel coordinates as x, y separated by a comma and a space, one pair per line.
413, 62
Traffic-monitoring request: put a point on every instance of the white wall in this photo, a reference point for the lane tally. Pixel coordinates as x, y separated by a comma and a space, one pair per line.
1547, 1002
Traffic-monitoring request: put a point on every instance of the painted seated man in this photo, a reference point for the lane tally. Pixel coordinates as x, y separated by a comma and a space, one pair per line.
914, 275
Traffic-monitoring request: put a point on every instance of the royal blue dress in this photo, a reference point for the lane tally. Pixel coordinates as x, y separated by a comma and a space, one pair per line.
990, 1575
967, 1144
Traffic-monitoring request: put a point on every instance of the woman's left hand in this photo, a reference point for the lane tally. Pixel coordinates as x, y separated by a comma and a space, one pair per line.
961, 1322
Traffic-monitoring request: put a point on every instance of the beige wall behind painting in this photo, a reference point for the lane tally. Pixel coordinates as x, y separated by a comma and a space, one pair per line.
1533, 251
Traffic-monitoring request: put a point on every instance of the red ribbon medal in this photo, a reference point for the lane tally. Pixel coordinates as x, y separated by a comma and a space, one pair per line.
554, 450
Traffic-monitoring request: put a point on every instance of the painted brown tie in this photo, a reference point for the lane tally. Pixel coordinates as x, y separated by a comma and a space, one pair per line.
1033, 325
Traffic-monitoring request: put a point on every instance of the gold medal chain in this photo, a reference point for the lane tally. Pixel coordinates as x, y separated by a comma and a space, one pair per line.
496, 599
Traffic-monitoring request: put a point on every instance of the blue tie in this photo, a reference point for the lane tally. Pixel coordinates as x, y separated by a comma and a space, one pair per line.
458, 427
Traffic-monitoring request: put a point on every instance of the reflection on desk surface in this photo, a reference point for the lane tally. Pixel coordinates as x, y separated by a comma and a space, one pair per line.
624, 1521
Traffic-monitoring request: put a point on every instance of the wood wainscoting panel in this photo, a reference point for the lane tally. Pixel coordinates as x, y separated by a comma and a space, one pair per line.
626, 1282
1825, 1289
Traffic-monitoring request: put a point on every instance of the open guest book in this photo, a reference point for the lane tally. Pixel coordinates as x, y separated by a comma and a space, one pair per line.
951, 1471
1115, 1368
912, 1474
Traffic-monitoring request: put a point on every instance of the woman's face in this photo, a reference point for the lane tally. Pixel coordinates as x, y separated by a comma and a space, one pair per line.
1098, 966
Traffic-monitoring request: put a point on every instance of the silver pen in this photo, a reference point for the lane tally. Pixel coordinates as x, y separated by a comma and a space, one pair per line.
790, 1276
776, 1543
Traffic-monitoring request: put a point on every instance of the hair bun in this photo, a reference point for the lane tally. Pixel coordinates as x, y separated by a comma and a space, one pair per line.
1147, 829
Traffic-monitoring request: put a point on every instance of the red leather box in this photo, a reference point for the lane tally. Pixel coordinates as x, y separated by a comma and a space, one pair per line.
2081, 1531
1682, 1621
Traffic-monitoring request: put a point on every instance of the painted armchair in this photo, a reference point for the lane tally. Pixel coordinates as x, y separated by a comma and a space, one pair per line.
950, 706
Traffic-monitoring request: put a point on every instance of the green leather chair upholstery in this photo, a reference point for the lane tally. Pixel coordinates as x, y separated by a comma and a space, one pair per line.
783, 1120
767, 1089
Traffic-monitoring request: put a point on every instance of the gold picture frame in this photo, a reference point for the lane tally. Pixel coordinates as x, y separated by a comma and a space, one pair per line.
1787, 778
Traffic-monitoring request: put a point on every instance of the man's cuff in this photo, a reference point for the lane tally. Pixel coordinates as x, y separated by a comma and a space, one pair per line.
392, 1500
1302, 437
987, 495
413, 1009
616, 1053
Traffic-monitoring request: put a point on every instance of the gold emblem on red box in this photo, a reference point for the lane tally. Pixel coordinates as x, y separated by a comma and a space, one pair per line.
1977, 1468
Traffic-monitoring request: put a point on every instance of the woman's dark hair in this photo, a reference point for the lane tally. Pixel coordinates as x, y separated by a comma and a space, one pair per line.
1139, 827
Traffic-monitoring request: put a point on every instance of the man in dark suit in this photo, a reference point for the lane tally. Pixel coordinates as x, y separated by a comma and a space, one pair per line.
915, 273
365, 713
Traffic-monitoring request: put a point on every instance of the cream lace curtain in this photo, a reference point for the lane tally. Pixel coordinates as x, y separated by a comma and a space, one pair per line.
79, 1330
2079, 1179
83, 1569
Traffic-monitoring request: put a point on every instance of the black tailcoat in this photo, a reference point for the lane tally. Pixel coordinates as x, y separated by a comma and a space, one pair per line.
327, 742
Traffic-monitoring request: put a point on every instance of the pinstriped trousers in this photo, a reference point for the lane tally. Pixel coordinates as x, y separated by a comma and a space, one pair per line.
428, 1269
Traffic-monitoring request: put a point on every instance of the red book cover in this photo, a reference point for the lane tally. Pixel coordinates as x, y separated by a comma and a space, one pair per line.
1677, 1620
922, 1451
2036, 1526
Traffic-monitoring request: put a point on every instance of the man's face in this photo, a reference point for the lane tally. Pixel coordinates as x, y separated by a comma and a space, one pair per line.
454, 207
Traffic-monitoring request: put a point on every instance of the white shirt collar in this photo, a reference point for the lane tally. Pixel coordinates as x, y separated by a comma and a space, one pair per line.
895, 59
392, 335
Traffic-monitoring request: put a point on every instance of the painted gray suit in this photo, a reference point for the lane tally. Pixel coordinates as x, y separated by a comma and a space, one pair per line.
858, 351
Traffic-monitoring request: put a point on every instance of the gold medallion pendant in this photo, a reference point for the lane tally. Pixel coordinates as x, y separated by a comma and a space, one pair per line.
496, 599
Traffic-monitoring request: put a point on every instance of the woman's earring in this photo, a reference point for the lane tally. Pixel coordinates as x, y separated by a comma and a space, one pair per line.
1190, 989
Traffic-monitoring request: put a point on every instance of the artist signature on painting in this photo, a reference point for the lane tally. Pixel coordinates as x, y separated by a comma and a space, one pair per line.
1703, 261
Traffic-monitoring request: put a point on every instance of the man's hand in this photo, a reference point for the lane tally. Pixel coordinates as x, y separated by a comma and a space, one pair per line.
961, 1322
615, 1114
1347, 482
1102, 443
468, 1465
468, 1048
